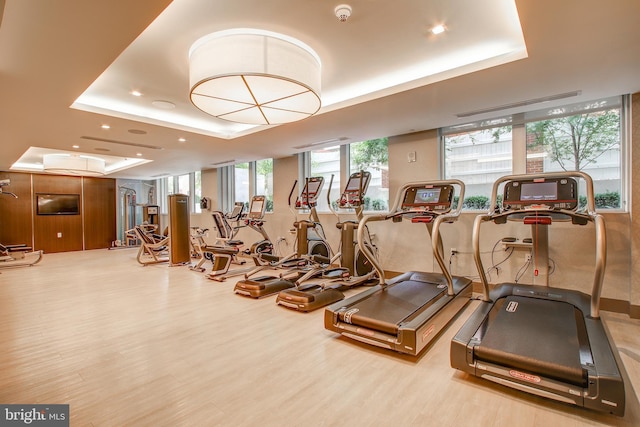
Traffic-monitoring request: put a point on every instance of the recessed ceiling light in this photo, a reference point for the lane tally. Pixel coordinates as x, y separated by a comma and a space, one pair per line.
75, 146
182, 140
138, 154
136, 93
438, 29
106, 127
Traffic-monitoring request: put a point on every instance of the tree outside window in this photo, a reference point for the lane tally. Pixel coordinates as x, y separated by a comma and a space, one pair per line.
588, 142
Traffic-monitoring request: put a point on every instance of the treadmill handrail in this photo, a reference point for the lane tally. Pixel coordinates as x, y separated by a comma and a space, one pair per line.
450, 216
591, 215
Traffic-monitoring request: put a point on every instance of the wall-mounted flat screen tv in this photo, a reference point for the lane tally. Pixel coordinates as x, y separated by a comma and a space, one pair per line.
58, 204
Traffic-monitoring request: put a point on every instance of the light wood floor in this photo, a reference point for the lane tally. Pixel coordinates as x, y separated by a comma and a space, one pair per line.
130, 345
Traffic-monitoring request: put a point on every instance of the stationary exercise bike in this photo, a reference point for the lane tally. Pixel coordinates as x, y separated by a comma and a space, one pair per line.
227, 248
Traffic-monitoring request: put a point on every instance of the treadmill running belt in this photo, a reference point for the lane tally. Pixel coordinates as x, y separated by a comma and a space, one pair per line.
535, 335
387, 308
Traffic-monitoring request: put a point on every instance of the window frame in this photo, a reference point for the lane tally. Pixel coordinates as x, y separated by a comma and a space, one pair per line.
227, 185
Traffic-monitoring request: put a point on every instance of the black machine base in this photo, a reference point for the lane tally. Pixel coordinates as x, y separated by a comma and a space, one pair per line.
542, 341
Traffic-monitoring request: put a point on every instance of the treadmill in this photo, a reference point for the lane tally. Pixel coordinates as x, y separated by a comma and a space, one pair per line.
406, 313
549, 342
309, 242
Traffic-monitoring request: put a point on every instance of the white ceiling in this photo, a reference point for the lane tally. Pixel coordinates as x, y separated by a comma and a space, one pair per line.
51, 53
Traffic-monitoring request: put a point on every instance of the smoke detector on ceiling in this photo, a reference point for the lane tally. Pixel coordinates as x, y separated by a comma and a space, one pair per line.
343, 12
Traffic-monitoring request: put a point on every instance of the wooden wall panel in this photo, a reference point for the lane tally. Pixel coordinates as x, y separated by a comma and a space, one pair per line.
15, 214
99, 212
47, 227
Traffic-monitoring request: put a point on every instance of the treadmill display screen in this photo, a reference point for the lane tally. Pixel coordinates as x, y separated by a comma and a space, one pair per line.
428, 198
430, 195
539, 191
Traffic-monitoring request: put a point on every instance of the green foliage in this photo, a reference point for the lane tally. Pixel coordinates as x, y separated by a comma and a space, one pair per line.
371, 153
606, 200
480, 203
378, 205
369, 204
264, 167
577, 141
476, 202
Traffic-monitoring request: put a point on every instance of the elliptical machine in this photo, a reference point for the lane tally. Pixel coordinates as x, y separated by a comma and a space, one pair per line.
310, 244
355, 269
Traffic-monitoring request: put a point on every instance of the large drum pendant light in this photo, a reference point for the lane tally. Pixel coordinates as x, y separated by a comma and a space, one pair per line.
254, 77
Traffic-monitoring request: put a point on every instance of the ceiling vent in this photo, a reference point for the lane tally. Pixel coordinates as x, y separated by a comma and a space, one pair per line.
130, 144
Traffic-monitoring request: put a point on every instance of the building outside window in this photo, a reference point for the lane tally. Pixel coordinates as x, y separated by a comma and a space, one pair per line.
589, 137
241, 183
325, 162
478, 158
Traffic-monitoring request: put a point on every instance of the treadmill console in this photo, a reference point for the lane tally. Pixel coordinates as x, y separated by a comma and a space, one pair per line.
309, 196
428, 198
541, 194
355, 190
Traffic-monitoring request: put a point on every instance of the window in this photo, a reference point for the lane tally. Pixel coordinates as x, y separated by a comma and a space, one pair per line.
588, 142
264, 181
587, 136
247, 179
340, 161
325, 162
184, 184
197, 191
372, 156
241, 183
478, 158
189, 184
